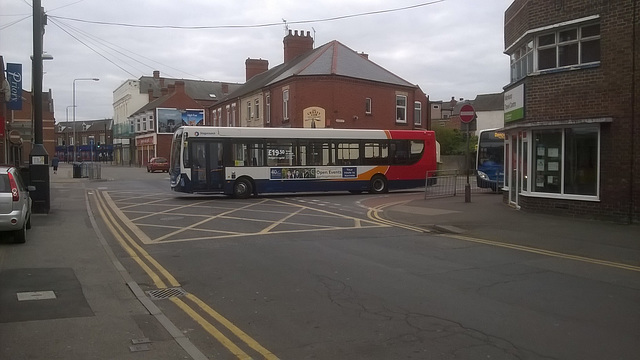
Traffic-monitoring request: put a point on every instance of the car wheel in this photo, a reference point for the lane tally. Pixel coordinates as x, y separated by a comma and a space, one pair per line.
242, 188
20, 236
148, 170
378, 185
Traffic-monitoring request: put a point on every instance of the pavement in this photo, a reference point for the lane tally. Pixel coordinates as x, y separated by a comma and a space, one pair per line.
65, 285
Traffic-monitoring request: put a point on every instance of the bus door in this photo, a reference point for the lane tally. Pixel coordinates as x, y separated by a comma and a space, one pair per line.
207, 171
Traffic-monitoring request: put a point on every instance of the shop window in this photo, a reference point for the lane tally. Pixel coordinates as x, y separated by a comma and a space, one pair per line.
581, 161
566, 161
548, 161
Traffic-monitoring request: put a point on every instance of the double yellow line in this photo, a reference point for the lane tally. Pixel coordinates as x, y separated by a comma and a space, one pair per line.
375, 214
163, 279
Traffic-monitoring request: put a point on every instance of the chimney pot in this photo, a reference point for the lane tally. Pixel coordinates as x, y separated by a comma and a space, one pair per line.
156, 74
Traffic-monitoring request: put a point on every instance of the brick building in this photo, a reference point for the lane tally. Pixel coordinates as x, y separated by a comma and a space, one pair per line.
93, 140
573, 131
133, 95
155, 122
329, 86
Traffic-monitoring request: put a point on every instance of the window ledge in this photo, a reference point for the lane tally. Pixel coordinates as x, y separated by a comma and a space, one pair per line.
561, 196
556, 70
567, 68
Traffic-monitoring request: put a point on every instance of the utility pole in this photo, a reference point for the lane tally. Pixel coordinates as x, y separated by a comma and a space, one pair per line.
38, 158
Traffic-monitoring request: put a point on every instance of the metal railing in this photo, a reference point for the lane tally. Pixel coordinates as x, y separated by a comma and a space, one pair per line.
443, 183
89, 170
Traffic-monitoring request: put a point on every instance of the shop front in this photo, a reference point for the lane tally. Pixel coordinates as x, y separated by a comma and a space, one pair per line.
555, 165
145, 148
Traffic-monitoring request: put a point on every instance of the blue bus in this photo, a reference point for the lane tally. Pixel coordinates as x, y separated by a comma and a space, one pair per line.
490, 159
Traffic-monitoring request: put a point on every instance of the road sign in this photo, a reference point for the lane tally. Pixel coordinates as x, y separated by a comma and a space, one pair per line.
467, 113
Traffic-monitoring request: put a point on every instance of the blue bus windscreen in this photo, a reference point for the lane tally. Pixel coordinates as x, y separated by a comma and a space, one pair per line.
490, 159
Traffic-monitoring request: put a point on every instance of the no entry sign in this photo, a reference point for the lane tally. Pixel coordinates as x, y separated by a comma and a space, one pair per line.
467, 113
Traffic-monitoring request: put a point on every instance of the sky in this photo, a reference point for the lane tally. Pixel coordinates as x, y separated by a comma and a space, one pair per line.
450, 48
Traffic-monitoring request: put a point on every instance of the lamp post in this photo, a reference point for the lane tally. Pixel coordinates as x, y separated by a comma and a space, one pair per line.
66, 152
75, 147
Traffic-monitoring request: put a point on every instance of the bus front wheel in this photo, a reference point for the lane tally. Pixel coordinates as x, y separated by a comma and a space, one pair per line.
242, 188
378, 185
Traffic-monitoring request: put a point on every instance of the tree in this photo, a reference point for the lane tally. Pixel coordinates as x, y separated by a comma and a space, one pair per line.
454, 141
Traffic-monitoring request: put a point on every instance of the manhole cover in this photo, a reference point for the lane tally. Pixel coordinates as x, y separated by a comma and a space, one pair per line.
162, 294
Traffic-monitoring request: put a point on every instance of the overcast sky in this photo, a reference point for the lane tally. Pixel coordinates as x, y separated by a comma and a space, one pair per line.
448, 47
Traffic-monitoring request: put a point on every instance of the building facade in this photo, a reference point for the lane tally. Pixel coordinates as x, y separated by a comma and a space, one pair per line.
329, 86
571, 118
92, 140
135, 94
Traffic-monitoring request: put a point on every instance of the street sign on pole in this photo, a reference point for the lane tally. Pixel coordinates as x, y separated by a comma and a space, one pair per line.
467, 113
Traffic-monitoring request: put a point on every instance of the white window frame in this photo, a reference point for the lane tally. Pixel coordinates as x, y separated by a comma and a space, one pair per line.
367, 106
417, 113
257, 109
285, 104
268, 109
249, 114
233, 114
525, 59
402, 119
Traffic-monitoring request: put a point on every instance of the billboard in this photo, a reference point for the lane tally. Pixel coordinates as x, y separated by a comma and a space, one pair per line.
168, 120
14, 77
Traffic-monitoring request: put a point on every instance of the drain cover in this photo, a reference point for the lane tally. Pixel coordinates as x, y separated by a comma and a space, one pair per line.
162, 294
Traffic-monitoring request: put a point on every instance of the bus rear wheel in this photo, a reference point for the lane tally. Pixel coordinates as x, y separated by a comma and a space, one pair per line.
378, 184
242, 188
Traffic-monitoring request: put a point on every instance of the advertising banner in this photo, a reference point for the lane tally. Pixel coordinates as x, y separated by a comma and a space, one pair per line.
14, 77
168, 120
193, 117
296, 173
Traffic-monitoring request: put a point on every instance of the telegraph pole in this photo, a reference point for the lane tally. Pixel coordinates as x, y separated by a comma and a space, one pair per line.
38, 158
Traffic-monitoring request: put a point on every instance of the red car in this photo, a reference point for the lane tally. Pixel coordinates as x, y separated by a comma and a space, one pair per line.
158, 164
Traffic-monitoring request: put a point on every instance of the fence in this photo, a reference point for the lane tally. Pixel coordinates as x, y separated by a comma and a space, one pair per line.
89, 170
442, 183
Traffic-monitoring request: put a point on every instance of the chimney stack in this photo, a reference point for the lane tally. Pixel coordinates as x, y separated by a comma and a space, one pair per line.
179, 87
156, 74
255, 67
295, 45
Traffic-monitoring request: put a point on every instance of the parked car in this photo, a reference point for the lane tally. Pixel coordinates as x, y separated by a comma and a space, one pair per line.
15, 203
158, 164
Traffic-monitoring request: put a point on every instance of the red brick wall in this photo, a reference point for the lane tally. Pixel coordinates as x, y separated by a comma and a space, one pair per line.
344, 99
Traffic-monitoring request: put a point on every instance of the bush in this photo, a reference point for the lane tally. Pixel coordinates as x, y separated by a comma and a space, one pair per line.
453, 141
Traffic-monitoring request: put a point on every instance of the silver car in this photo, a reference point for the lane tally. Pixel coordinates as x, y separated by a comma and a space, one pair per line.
15, 203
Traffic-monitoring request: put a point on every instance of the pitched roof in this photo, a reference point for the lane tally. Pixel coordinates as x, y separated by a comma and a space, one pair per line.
95, 124
332, 58
196, 89
489, 102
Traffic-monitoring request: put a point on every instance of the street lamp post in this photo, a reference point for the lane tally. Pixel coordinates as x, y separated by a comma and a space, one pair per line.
75, 147
66, 150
